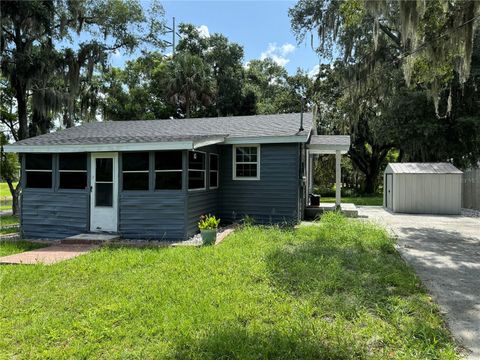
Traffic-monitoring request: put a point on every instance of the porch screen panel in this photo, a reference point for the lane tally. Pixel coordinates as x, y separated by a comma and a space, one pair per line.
196, 170
38, 171
135, 170
168, 170
73, 171
213, 175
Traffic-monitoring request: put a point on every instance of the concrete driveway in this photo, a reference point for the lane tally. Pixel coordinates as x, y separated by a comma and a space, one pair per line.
445, 253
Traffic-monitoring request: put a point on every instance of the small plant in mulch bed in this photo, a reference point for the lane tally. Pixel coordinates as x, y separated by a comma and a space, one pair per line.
208, 226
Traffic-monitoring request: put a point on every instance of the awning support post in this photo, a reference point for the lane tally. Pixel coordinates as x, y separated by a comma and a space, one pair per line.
338, 177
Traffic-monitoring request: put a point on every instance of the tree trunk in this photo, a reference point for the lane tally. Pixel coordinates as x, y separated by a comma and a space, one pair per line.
21, 96
14, 191
370, 183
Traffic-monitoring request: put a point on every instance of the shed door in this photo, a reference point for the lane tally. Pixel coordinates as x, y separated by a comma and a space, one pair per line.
104, 195
389, 192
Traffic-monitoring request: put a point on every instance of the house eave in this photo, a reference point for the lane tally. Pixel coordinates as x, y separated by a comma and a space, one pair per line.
267, 139
171, 145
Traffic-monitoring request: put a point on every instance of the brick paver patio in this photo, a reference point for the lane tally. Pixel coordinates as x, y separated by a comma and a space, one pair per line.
49, 255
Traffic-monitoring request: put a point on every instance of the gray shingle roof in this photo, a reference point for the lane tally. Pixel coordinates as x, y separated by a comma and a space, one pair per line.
330, 140
423, 168
143, 131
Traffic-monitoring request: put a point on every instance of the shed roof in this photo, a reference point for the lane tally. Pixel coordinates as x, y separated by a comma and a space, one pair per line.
422, 168
233, 129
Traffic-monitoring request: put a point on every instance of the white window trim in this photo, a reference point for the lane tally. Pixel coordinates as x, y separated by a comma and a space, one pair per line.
204, 170
216, 171
234, 163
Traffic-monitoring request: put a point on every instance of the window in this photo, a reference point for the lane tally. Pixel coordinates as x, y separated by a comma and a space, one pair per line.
168, 170
196, 170
104, 182
246, 162
73, 171
38, 171
213, 171
135, 171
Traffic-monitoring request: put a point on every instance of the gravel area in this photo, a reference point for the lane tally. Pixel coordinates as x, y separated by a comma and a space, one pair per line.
470, 212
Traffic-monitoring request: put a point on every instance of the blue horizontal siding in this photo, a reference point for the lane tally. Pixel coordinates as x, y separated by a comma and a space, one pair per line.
152, 215
54, 215
273, 198
200, 203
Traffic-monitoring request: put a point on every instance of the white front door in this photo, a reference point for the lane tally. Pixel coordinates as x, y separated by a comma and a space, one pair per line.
104, 199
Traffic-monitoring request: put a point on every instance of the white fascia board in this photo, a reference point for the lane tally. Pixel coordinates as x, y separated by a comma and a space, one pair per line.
267, 140
171, 145
330, 148
211, 141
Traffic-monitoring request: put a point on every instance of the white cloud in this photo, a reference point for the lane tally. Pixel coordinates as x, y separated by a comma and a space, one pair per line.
117, 54
278, 53
203, 31
288, 48
314, 72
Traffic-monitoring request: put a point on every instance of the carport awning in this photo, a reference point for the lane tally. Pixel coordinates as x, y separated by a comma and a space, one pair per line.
328, 144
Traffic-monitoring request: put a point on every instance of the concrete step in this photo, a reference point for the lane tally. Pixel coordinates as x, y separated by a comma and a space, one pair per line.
347, 209
90, 238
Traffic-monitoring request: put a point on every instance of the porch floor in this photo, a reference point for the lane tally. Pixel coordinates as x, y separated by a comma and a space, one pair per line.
347, 209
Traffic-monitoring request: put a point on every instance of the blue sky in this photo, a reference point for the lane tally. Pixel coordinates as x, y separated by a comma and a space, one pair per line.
262, 27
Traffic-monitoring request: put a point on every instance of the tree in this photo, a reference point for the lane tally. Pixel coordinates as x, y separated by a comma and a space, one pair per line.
10, 170
275, 90
54, 79
188, 84
431, 40
136, 92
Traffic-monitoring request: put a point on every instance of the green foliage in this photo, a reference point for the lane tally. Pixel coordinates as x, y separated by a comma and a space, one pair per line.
335, 290
188, 83
208, 222
9, 165
431, 40
50, 73
13, 247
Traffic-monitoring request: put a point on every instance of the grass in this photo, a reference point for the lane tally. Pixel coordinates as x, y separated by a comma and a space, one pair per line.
8, 220
5, 196
360, 200
338, 290
13, 247
6, 223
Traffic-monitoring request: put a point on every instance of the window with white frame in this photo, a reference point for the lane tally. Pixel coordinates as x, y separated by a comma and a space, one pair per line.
72, 170
38, 171
246, 162
213, 175
196, 170
168, 170
135, 171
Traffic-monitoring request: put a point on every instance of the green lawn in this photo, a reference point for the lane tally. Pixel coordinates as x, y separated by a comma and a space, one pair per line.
14, 247
5, 196
6, 223
338, 290
361, 200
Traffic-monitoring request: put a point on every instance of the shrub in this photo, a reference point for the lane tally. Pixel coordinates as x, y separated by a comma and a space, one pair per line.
208, 222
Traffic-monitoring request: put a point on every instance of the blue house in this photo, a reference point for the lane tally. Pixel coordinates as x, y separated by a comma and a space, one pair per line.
153, 179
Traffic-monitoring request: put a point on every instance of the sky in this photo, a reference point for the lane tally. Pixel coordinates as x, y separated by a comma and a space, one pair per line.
261, 27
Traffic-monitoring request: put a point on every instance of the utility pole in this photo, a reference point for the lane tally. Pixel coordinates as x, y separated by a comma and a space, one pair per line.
172, 30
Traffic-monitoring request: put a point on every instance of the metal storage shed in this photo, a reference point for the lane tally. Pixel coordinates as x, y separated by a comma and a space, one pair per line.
423, 188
